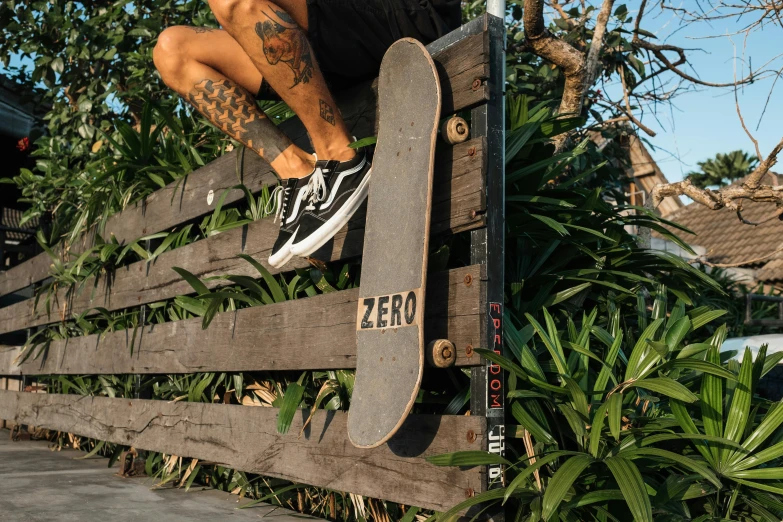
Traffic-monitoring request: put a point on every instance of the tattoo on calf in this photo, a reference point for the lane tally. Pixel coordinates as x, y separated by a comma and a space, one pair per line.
232, 109
327, 113
283, 41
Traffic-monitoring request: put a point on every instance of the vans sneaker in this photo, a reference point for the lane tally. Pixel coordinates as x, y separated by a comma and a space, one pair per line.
348, 184
291, 199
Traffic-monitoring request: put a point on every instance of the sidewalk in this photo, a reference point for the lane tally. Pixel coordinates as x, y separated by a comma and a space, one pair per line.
37, 484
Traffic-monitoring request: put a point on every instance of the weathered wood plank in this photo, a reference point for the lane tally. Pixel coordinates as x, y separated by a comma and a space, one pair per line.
459, 65
458, 202
317, 333
245, 438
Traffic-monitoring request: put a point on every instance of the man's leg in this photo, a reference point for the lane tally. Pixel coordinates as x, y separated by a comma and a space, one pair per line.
208, 68
274, 36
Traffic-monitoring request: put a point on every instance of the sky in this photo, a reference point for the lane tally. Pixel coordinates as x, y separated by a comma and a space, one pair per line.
700, 124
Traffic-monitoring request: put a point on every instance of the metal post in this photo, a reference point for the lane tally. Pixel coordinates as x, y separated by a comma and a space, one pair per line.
497, 8
488, 248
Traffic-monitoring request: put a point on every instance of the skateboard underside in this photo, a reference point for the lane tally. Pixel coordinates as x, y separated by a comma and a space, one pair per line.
389, 325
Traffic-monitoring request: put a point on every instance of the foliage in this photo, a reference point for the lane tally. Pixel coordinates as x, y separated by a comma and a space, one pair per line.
617, 422
723, 169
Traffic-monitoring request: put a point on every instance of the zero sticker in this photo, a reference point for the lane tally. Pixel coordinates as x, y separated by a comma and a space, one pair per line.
210, 197
389, 311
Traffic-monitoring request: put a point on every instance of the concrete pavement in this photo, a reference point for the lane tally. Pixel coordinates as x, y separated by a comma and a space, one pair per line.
37, 484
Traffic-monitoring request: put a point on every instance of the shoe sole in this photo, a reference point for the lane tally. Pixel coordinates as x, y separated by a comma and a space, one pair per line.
284, 255
325, 232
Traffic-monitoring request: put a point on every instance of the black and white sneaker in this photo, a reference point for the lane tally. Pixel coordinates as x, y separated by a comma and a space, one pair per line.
348, 184
291, 199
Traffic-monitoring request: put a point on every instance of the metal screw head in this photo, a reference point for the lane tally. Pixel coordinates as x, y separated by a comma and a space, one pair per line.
469, 493
469, 350
473, 214
476, 84
468, 279
472, 151
471, 436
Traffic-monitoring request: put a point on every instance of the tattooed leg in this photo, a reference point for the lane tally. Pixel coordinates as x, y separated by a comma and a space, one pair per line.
201, 67
274, 37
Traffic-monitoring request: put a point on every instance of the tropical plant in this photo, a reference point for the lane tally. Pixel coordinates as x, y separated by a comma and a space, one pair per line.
723, 169
623, 423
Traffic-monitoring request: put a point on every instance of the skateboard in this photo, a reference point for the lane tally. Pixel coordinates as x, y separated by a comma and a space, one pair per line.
389, 322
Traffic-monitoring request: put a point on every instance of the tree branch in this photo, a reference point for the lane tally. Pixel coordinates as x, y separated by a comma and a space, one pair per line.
549, 47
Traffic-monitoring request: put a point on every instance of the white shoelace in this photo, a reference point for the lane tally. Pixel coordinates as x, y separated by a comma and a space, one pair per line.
315, 190
277, 199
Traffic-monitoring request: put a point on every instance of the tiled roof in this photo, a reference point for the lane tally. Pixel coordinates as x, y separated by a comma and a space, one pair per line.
11, 218
728, 240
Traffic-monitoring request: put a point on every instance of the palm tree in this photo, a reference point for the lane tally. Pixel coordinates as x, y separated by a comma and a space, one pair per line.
723, 169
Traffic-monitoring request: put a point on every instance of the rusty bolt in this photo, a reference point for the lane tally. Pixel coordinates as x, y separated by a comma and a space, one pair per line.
446, 353
473, 214
143, 230
472, 151
469, 350
476, 84
469, 493
471, 436
468, 279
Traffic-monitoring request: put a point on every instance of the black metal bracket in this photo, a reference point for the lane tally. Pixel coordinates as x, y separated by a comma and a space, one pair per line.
488, 248
763, 322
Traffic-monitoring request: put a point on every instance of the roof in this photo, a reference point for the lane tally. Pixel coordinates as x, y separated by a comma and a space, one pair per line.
728, 240
643, 168
11, 218
19, 110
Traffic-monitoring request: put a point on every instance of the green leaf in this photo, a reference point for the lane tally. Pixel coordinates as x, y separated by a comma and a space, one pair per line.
700, 366
712, 402
540, 462
562, 481
524, 418
291, 401
271, 282
693, 465
630, 482
706, 318
58, 65
371, 140
551, 223
685, 421
596, 428
677, 333
640, 348
666, 386
740, 405
615, 403
772, 453
192, 280
772, 420
467, 458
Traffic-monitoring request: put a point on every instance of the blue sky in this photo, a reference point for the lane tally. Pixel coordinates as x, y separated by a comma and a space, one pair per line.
700, 124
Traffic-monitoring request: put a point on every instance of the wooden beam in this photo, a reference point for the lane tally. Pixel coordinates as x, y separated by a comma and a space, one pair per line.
460, 66
317, 333
458, 204
246, 438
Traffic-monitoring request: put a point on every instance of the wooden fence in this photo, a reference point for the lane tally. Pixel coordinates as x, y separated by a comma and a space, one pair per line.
463, 305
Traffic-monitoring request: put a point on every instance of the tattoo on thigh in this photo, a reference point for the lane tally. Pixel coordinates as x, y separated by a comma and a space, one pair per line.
201, 29
327, 113
284, 41
232, 109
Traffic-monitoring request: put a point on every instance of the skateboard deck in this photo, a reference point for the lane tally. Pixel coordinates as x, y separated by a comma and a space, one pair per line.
389, 322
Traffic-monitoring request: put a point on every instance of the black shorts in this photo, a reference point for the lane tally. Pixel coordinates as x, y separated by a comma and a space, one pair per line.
350, 37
